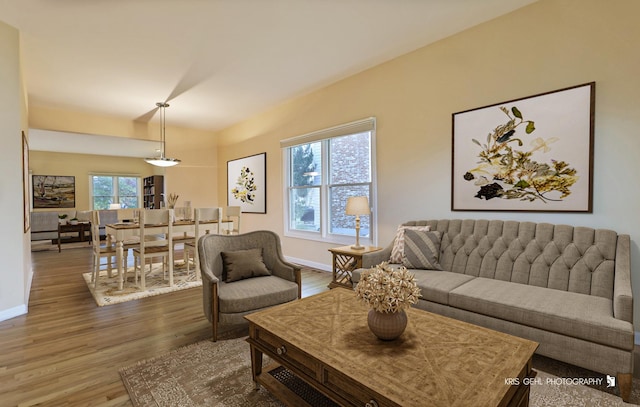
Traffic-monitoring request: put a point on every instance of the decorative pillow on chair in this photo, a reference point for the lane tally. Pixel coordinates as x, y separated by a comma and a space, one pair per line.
421, 250
243, 264
398, 244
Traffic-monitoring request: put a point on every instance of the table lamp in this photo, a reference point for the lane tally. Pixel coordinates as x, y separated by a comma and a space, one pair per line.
357, 205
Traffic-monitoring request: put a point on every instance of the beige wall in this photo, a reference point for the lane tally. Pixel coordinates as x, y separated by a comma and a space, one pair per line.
15, 272
548, 45
80, 166
194, 179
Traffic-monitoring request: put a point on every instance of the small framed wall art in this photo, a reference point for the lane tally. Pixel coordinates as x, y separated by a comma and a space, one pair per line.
247, 183
532, 154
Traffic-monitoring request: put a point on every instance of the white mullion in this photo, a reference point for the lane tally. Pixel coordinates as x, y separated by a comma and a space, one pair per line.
324, 192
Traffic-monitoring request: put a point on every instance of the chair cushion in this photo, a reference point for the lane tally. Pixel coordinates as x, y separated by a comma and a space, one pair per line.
255, 293
577, 315
421, 250
241, 264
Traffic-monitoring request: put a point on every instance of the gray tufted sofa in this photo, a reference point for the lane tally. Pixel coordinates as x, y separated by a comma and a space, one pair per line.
567, 288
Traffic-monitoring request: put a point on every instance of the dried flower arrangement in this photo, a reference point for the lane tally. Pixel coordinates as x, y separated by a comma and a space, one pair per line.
385, 289
172, 199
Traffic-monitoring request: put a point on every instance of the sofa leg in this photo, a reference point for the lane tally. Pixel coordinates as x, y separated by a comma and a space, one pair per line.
624, 384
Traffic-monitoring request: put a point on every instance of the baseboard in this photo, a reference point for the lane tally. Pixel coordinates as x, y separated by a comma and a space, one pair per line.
308, 263
13, 312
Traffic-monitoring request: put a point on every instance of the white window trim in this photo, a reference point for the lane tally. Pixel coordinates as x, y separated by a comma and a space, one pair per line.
108, 174
359, 126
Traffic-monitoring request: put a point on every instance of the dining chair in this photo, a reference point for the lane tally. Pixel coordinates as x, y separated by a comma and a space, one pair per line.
203, 226
154, 244
233, 213
100, 250
182, 214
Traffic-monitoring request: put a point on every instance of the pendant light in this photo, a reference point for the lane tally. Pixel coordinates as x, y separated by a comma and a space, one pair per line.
162, 161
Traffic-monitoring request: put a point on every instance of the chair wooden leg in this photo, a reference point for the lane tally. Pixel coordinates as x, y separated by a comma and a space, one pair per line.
96, 270
196, 264
109, 270
214, 311
625, 380
142, 281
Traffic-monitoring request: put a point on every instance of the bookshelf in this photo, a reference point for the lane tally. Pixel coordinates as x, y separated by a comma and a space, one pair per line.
153, 190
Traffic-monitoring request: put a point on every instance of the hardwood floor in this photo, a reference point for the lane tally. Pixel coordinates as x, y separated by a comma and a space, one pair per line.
67, 351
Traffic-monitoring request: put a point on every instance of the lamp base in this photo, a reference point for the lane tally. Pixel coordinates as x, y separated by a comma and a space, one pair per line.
357, 247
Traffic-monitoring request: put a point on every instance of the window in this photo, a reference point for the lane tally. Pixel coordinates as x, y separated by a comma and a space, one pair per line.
119, 189
322, 170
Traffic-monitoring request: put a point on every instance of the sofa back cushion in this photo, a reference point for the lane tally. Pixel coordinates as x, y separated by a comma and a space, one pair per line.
576, 259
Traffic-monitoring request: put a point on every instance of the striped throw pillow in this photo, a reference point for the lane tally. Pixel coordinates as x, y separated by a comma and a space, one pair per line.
398, 244
421, 250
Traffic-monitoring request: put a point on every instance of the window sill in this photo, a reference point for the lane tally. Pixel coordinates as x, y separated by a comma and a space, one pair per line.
333, 239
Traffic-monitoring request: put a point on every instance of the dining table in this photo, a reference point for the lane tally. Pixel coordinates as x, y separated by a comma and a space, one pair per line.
121, 231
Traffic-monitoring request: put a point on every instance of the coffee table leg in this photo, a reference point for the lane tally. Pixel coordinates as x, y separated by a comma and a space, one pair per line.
256, 365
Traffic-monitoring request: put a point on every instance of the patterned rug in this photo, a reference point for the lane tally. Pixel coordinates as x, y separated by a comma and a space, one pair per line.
219, 374
203, 374
107, 291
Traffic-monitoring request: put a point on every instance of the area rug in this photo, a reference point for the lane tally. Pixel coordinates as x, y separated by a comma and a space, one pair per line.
107, 292
219, 374
203, 374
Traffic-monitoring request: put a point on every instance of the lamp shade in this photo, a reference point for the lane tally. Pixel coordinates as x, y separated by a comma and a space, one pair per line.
357, 205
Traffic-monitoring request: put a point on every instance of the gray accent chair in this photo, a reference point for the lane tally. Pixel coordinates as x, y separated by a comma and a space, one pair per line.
228, 303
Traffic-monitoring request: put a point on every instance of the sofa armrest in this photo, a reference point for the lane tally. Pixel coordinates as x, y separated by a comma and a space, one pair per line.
374, 258
285, 270
622, 293
290, 272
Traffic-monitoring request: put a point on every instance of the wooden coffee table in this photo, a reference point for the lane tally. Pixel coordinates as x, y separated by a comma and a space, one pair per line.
322, 345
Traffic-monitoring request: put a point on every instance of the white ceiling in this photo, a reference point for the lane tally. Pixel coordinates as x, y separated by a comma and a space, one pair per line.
217, 61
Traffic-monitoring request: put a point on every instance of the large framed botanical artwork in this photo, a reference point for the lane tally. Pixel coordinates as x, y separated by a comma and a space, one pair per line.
247, 183
531, 154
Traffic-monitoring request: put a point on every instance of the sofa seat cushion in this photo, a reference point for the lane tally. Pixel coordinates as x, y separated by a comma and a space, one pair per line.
576, 315
255, 293
435, 285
